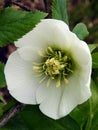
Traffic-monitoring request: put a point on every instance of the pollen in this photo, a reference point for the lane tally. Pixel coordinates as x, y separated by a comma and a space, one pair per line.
53, 67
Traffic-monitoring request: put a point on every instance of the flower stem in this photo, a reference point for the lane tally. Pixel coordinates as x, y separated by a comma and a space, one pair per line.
89, 121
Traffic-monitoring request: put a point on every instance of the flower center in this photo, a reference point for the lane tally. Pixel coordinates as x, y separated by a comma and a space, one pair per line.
52, 67
55, 65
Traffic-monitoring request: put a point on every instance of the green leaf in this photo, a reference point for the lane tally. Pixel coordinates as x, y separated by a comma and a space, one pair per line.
16, 123
94, 97
59, 10
93, 107
95, 76
68, 123
80, 114
5, 107
35, 120
2, 76
92, 47
85, 114
94, 125
95, 60
81, 31
14, 24
1, 109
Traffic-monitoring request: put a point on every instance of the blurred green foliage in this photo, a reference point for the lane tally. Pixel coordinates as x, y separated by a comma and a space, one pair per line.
85, 11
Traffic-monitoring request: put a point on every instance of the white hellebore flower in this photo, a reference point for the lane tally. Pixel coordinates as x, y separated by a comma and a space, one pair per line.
51, 67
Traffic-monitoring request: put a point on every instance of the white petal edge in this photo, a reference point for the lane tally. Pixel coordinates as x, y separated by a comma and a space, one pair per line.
48, 31
74, 94
20, 80
80, 52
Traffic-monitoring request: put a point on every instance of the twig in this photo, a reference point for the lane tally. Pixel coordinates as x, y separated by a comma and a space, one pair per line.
13, 111
48, 5
22, 6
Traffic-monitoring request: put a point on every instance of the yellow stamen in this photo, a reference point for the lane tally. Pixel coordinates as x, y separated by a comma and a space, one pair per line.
66, 80
43, 79
41, 54
48, 82
50, 49
36, 68
59, 54
58, 83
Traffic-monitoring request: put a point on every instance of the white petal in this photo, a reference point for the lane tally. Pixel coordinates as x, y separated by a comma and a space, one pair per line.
84, 81
26, 40
42, 92
29, 53
58, 102
47, 32
50, 32
20, 80
80, 52
75, 93
49, 99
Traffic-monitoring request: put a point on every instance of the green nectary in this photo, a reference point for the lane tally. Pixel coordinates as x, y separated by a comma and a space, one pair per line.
55, 64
